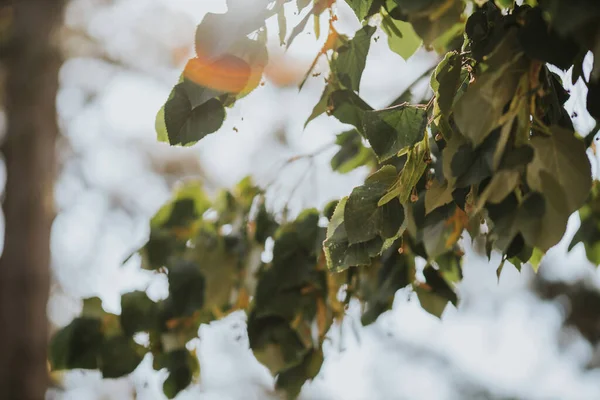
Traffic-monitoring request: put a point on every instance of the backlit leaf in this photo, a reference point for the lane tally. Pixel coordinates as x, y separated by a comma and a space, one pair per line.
394, 129
351, 58
409, 176
363, 218
562, 156
402, 38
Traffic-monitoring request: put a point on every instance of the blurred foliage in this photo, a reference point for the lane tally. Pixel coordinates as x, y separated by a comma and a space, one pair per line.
492, 153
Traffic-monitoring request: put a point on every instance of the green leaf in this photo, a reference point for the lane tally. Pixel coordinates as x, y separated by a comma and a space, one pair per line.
418, 6
570, 16
265, 224
396, 272
562, 156
438, 195
402, 38
182, 367
363, 218
442, 228
188, 203
444, 20
501, 185
186, 288
542, 217
479, 110
161, 127
275, 343
540, 41
352, 154
350, 60
329, 209
321, 105
471, 166
431, 302
394, 129
339, 254
445, 81
292, 380
138, 313
360, 7
186, 124
77, 345
413, 170
120, 356
536, 259
92, 308
349, 108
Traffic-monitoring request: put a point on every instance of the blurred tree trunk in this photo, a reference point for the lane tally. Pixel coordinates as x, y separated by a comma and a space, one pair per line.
31, 62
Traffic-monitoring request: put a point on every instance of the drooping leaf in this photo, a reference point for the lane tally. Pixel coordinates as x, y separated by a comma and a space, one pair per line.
445, 81
321, 105
188, 203
396, 272
593, 99
394, 129
120, 355
485, 29
431, 302
78, 345
348, 108
339, 253
479, 110
437, 195
402, 38
540, 41
182, 367
542, 218
562, 156
266, 225
442, 228
500, 186
351, 58
364, 219
360, 7
412, 172
186, 125
471, 166
138, 313
275, 343
186, 288
352, 153
291, 380
589, 231
441, 20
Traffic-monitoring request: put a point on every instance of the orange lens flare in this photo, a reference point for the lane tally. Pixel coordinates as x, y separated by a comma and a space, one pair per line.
228, 73
283, 71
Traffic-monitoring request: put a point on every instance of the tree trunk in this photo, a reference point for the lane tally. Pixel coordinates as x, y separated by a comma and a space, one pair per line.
31, 61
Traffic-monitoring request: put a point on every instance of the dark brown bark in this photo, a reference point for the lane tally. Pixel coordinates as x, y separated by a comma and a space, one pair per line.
31, 61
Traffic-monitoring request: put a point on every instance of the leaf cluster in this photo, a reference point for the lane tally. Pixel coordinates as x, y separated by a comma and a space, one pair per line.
492, 154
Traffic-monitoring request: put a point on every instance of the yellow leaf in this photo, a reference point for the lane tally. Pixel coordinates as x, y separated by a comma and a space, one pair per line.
459, 221
321, 317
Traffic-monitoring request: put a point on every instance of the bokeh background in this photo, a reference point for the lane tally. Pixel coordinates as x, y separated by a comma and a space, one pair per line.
122, 59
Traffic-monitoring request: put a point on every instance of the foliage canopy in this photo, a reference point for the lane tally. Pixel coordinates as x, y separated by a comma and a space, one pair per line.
493, 153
